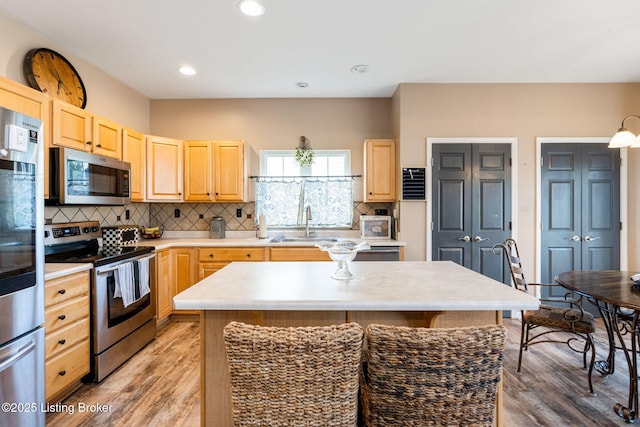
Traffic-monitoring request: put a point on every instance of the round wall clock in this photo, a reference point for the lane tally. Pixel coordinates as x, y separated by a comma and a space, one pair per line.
52, 74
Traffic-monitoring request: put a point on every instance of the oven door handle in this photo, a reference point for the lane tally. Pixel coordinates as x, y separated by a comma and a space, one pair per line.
110, 269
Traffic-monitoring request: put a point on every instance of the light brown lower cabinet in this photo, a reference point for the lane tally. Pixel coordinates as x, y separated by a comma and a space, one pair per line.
67, 329
181, 267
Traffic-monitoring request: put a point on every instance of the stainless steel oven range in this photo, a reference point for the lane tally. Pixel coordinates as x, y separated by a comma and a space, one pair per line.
119, 328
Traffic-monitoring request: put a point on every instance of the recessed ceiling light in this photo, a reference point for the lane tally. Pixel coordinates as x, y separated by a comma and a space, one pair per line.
187, 70
302, 84
251, 7
359, 69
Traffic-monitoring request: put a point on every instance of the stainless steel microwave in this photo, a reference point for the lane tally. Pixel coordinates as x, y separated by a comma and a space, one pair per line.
80, 178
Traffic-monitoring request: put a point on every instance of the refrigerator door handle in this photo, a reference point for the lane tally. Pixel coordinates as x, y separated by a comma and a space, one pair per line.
11, 360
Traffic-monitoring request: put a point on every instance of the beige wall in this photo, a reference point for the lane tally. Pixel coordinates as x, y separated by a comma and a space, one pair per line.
524, 111
106, 96
415, 112
276, 124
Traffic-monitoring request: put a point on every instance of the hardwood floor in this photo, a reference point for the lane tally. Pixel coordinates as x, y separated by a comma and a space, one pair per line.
160, 386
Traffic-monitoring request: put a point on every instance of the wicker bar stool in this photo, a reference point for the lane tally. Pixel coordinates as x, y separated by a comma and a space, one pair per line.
432, 377
296, 376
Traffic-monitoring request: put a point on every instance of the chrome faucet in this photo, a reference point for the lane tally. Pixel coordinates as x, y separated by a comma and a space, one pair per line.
307, 219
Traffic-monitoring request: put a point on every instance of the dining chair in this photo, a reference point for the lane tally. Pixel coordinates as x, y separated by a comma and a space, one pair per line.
566, 318
431, 376
294, 376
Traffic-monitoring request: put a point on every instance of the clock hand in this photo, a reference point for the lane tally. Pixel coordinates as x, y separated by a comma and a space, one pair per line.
60, 82
55, 72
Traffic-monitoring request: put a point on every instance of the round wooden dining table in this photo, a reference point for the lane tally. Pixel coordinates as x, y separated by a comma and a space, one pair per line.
619, 304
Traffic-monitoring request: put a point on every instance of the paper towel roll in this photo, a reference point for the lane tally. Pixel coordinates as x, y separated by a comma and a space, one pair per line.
262, 227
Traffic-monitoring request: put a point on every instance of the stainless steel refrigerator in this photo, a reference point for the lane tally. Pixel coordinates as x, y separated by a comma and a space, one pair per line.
22, 374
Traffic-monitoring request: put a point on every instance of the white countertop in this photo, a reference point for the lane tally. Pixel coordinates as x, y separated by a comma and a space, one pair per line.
53, 270
164, 243
380, 286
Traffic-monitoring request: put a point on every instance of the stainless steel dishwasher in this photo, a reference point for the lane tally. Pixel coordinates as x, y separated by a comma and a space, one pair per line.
379, 253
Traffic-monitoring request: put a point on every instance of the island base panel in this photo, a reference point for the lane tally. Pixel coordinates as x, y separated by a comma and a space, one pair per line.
216, 404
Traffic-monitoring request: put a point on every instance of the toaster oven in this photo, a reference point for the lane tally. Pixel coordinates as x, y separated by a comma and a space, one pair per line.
120, 235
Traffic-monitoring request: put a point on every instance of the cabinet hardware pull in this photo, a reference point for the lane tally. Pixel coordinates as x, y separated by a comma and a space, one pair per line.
210, 255
249, 255
62, 373
89, 142
62, 342
99, 146
62, 317
62, 291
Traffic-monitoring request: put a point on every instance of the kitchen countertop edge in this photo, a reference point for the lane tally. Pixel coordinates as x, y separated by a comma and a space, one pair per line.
55, 270
167, 243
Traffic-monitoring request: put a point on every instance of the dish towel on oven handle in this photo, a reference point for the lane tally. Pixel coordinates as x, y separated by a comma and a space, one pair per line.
132, 281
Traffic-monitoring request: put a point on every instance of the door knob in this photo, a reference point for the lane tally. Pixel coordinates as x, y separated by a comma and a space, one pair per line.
465, 239
480, 239
590, 239
575, 238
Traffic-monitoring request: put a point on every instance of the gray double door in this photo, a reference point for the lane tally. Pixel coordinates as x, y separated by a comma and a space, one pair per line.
471, 210
580, 209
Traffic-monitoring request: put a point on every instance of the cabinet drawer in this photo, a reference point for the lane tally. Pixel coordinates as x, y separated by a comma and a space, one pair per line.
298, 254
64, 338
231, 254
66, 313
66, 287
67, 367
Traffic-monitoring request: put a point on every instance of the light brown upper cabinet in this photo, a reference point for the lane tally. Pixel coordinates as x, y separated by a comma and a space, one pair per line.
164, 168
228, 171
380, 170
107, 138
214, 171
76, 128
134, 151
198, 171
71, 126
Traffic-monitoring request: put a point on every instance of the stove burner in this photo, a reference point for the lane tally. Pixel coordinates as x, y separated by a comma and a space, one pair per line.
83, 246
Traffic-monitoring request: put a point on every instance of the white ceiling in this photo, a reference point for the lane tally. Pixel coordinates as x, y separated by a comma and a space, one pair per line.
143, 42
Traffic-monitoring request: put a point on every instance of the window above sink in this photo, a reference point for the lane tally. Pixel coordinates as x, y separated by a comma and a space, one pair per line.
285, 190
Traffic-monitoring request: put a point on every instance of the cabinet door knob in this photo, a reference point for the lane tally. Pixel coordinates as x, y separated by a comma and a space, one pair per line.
62, 291
370, 193
62, 342
89, 143
210, 255
62, 373
62, 317
99, 145
249, 255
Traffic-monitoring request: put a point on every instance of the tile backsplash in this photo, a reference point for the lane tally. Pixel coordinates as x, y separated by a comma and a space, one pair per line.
106, 215
192, 216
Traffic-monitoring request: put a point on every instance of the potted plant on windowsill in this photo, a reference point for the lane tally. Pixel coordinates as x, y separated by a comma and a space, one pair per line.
304, 153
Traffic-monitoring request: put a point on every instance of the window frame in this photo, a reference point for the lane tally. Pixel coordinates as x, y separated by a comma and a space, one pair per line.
305, 171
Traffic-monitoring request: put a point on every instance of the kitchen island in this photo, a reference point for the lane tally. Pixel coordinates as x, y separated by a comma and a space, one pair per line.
409, 293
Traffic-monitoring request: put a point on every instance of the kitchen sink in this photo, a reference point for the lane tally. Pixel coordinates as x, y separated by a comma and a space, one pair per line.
284, 239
